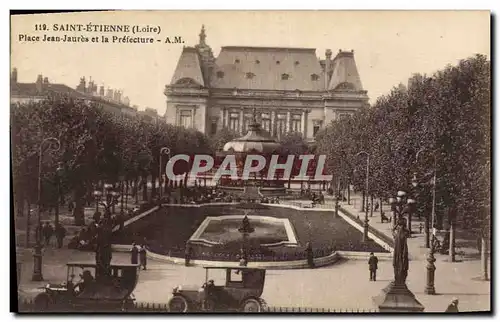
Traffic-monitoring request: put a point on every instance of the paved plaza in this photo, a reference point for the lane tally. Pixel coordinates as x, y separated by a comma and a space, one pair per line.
344, 285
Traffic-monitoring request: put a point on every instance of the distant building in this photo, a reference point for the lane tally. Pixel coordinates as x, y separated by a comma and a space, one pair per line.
149, 114
291, 88
32, 92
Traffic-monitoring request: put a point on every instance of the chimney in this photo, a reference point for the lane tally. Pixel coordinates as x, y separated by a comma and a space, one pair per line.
13, 76
328, 54
39, 83
82, 86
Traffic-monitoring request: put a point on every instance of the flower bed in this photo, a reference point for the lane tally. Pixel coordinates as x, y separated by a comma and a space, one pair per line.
169, 228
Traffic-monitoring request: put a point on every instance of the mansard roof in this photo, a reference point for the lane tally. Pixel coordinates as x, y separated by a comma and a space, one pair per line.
345, 74
271, 68
188, 70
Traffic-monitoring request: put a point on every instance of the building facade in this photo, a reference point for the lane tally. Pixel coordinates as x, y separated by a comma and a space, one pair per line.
291, 88
33, 92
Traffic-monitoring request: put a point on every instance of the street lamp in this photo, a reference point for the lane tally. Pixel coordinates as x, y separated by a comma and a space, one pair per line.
97, 197
401, 205
59, 172
365, 230
431, 267
54, 145
163, 151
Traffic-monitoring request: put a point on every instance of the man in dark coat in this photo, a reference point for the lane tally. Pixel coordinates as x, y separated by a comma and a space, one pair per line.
134, 259
47, 233
373, 266
60, 234
143, 256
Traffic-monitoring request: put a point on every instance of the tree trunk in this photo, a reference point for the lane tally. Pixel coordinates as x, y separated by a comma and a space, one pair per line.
136, 187
363, 202
451, 252
380, 201
28, 224
426, 231
78, 211
144, 188
348, 194
371, 206
153, 186
484, 258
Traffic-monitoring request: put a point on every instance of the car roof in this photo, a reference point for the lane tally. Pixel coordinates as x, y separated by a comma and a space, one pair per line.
87, 264
234, 267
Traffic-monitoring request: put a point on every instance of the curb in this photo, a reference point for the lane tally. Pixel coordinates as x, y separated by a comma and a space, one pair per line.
278, 265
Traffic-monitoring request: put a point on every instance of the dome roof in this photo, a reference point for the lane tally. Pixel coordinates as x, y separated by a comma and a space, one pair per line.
255, 141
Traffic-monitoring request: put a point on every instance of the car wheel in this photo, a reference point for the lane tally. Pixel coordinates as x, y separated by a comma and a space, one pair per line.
178, 304
251, 305
41, 302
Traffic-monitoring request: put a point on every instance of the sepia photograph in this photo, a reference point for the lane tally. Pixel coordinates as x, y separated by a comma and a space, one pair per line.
277, 162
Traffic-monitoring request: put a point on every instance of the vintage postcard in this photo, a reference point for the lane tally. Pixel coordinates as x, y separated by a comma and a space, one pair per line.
251, 161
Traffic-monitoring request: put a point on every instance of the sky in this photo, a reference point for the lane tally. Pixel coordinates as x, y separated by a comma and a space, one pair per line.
389, 46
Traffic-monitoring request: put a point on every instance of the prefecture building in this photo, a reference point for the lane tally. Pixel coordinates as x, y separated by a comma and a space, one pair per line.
291, 88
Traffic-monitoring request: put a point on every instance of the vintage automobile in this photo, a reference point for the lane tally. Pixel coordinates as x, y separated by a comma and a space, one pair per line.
239, 290
110, 293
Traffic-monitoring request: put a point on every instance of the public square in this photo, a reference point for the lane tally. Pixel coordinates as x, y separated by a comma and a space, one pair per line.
344, 285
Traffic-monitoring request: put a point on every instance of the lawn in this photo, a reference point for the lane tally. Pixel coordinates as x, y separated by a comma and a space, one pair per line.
168, 229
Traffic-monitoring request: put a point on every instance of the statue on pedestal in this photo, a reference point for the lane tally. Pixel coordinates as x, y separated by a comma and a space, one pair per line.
400, 259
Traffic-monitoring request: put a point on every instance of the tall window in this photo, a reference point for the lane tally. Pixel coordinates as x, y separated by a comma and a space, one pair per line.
296, 123
248, 120
186, 120
316, 127
213, 127
281, 125
266, 122
234, 121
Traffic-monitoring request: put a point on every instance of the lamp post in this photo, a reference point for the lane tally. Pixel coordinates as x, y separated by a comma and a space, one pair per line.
97, 197
59, 171
54, 145
365, 230
105, 228
401, 205
431, 267
163, 151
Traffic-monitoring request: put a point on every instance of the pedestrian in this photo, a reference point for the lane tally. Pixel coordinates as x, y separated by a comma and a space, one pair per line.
420, 227
60, 233
134, 259
310, 255
453, 306
187, 254
373, 266
377, 205
143, 256
47, 231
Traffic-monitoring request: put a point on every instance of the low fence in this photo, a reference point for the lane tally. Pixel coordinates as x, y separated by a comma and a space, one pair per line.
27, 306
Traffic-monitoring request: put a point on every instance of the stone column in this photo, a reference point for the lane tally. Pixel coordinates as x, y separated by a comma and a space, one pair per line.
193, 118
303, 124
222, 110
242, 112
226, 118
288, 120
273, 123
